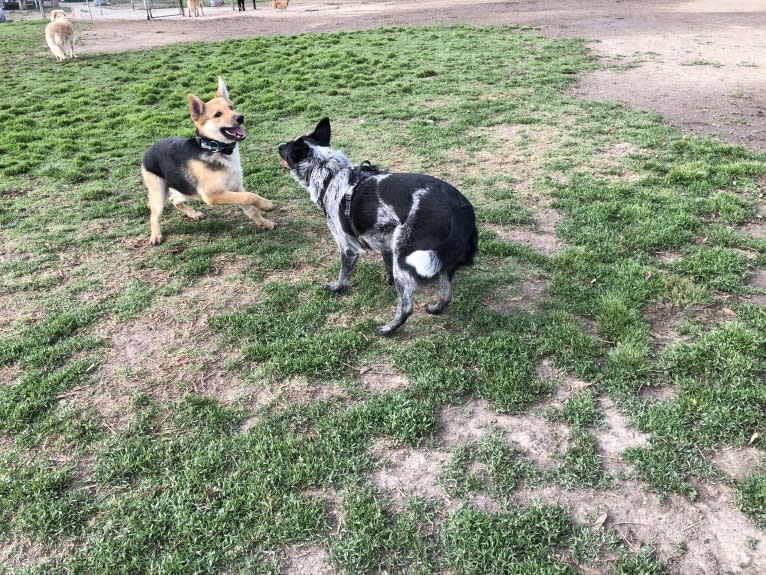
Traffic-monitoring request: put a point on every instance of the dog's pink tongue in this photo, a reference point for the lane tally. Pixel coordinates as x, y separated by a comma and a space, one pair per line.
285, 164
239, 133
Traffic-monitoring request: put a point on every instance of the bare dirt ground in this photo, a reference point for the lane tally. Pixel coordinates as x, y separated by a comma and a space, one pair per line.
696, 62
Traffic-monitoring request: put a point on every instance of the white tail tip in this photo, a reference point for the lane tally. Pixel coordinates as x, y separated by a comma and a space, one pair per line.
426, 263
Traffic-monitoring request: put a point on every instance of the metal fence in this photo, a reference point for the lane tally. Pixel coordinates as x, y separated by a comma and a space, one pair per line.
163, 8
88, 9
84, 10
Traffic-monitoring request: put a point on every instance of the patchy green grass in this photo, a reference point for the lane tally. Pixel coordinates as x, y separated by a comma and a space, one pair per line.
751, 498
205, 407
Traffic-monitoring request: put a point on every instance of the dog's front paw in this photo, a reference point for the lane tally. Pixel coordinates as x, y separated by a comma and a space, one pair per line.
156, 240
337, 287
267, 205
267, 224
389, 279
385, 330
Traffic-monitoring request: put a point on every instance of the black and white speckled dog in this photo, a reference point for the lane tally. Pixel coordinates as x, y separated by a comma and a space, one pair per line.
423, 226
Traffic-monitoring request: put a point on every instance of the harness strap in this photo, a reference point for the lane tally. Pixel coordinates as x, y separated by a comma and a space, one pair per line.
348, 197
347, 208
350, 221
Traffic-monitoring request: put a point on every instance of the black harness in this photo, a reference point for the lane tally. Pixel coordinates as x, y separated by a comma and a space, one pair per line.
349, 220
209, 145
358, 175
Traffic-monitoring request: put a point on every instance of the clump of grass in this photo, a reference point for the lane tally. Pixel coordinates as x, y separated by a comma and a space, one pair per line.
751, 498
639, 563
501, 468
42, 502
580, 463
517, 540
499, 368
580, 410
294, 339
372, 538
718, 268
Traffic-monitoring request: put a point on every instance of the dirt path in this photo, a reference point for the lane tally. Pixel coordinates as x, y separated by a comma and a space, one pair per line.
696, 62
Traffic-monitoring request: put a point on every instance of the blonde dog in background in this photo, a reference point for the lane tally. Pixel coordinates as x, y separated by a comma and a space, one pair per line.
59, 34
195, 6
280, 4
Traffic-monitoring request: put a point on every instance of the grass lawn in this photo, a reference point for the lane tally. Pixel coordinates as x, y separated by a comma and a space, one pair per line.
204, 407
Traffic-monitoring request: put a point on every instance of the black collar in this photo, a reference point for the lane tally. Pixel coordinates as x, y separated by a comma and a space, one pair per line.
225, 148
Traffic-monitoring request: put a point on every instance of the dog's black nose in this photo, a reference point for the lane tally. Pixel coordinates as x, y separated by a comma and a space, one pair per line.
240, 119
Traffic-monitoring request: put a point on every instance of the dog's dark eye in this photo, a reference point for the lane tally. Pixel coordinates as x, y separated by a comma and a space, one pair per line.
217, 115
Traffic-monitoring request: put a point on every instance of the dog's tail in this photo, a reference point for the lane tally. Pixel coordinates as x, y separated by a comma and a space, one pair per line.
458, 249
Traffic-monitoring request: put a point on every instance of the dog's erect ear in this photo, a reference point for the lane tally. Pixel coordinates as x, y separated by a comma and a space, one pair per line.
322, 132
223, 91
196, 106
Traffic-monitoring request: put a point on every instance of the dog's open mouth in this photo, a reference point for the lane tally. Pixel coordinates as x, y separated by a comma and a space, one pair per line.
285, 165
236, 133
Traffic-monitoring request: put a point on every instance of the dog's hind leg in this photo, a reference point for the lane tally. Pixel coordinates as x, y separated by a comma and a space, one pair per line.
179, 201
57, 51
405, 286
388, 260
445, 295
348, 261
157, 193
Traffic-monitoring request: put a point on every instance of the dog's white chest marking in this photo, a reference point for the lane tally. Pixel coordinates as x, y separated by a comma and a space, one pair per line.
233, 171
227, 177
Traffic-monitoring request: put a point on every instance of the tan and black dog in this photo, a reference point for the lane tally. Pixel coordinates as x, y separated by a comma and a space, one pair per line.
205, 167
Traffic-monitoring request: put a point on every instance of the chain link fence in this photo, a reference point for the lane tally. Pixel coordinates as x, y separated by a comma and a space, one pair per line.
90, 9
